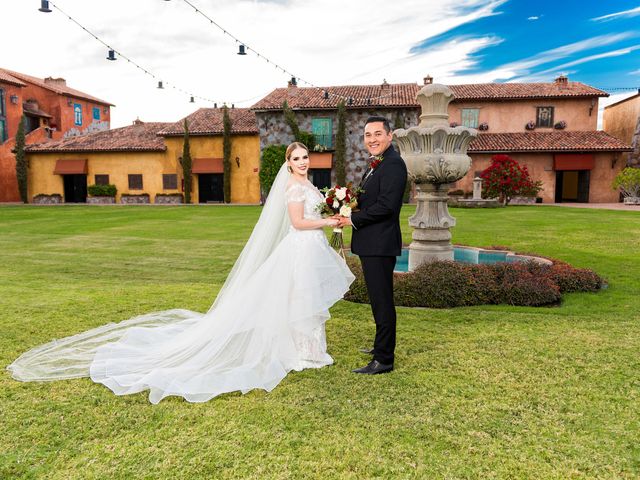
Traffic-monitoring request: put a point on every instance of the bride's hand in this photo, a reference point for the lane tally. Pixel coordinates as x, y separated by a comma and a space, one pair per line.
331, 222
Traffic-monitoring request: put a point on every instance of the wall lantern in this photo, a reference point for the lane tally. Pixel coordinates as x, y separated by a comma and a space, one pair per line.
241, 50
14, 99
192, 100
105, 110
69, 102
238, 161
44, 6
112, 55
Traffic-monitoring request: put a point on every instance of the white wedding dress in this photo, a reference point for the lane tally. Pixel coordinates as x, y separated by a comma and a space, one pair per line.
267, 320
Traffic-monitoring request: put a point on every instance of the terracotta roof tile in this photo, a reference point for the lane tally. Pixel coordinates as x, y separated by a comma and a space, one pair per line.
208, 121
141, 137
55, 87
5, 77
546, 142
404, 94
33, 109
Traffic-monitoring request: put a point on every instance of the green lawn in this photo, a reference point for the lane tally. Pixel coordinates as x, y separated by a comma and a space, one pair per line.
481, 392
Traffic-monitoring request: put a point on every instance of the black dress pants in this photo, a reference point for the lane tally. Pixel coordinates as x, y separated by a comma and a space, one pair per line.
378, 275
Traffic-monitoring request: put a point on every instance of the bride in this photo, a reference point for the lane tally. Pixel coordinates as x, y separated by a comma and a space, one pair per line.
267, 319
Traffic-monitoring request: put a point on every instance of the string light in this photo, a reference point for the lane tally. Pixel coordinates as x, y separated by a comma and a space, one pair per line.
112, 52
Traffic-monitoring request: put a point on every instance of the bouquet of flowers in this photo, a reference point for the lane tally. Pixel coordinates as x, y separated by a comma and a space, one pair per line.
339, 201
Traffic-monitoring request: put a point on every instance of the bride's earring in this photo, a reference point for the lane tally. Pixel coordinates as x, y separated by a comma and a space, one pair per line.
289, 169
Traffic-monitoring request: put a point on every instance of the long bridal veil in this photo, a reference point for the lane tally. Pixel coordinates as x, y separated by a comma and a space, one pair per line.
181, 352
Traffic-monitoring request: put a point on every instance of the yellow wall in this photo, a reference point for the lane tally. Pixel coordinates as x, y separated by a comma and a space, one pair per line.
245, 186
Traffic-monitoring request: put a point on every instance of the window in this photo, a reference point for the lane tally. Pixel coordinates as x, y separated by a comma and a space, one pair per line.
169, 181
77, 113
31, 123
322, 130
96, 113
135, 181
544, 117
102, 179
3, 120
470, 117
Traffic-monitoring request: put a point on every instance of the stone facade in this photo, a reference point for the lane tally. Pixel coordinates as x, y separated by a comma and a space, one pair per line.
274, 130
168, 199
100, 200
44, 199
134, 199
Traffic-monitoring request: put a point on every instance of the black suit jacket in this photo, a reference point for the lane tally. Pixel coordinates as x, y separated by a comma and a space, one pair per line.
377, 222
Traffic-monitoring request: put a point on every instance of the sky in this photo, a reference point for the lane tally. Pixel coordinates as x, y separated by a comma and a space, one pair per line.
320, 42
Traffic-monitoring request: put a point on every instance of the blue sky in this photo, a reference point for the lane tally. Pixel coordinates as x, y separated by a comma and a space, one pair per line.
601, 41
322, 42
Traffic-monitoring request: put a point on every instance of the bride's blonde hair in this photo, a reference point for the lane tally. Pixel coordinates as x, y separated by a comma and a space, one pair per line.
292, 147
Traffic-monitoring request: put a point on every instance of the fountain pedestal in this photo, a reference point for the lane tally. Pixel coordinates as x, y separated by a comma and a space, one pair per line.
436, 156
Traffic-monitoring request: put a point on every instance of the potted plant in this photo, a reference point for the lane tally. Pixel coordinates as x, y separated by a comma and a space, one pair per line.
101, 194
484, 126
531, 125
628, 181
561, 125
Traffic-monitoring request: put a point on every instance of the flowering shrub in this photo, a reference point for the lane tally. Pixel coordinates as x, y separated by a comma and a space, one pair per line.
505, 178
561, 125
531, 125
453, 284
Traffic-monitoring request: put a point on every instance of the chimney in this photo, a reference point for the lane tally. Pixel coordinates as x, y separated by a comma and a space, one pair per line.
428, 80
292, 83
59, 82
562, 80
385, 85
137, 121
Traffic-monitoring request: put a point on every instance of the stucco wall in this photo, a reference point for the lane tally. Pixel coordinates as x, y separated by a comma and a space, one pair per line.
540, 166
513, 115
620, 120
245, 184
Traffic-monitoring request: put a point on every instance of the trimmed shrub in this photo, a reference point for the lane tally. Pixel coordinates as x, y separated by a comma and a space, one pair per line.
102, 190
453, 284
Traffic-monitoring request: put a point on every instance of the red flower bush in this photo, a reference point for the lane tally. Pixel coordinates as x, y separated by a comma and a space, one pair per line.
505, 178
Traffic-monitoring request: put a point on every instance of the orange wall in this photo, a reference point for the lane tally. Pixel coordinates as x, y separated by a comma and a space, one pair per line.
620, 120
513, 115
540, 166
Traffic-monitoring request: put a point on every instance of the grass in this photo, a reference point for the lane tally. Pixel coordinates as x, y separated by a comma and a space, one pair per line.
479, 392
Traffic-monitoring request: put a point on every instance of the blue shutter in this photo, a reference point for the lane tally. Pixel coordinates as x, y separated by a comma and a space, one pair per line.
77, 113
322, 129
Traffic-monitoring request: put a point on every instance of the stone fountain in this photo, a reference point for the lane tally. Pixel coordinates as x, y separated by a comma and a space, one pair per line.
436, 156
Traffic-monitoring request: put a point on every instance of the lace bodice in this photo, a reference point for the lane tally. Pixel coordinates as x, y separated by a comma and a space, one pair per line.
307, 193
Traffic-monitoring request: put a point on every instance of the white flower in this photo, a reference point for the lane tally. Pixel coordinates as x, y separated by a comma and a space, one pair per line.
336, 204
345, 211
341, 193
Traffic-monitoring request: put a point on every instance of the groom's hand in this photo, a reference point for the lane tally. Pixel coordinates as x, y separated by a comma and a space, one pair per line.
344, 221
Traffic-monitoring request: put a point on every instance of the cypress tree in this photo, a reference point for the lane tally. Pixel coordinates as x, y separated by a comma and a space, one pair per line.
226, 149
21, 162
341, 145
290, 119
186, 164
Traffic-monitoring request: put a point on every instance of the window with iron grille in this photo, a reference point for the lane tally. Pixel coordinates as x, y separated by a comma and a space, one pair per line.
102, 179
544, 117
169, 181
135, 181
470, 117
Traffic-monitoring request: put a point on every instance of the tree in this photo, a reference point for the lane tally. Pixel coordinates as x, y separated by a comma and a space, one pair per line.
341, 145
22, 165
186, 164
306, 138
226, 149
628, 181
505, 178
272, 160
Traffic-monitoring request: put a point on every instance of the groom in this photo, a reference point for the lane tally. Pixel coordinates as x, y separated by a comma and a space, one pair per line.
376, 237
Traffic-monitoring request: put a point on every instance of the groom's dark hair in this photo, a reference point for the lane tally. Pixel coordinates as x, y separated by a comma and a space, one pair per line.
385, 122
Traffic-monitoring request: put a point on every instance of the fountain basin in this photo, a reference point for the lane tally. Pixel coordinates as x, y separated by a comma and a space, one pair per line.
474, 255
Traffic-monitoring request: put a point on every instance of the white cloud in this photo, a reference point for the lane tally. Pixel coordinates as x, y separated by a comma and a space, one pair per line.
533, 18
327, 43
612, 16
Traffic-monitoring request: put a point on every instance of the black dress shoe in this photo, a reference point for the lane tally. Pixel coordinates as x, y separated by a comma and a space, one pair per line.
374, 367
367, 351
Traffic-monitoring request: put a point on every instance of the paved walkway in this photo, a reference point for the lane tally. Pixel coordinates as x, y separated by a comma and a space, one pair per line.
603, 206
